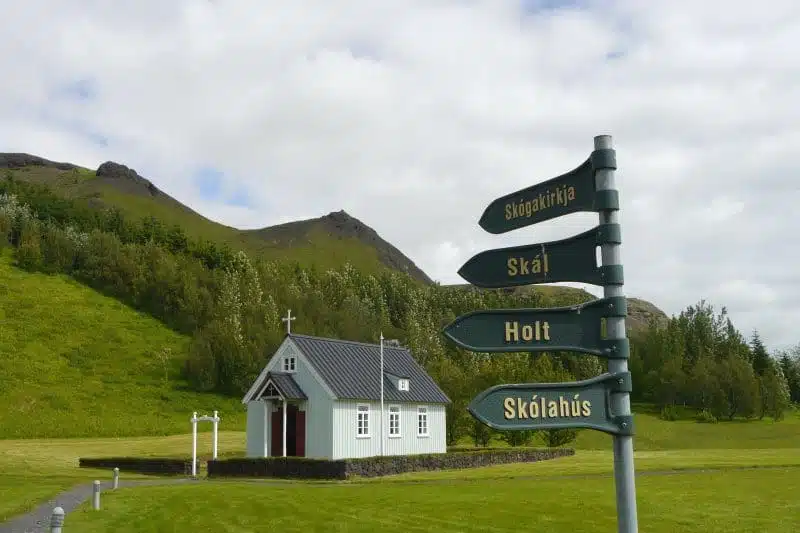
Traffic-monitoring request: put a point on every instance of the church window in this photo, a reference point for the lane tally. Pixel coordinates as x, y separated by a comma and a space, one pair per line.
363, 420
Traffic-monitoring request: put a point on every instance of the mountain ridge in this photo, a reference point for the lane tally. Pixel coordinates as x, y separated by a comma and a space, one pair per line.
325, 240
125, 181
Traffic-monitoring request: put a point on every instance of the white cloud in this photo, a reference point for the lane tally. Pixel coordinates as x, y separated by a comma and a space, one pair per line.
414, 115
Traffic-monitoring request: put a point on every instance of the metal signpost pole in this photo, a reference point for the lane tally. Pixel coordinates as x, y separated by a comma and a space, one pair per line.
625, 483
601, 403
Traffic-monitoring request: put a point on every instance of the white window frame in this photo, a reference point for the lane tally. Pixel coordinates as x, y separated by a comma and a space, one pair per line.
289, 363
395, 410
422, 415
402, 384
362, 409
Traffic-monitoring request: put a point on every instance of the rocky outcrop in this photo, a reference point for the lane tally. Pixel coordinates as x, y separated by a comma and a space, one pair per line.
20, 160
342, 225
115, 171
641, 314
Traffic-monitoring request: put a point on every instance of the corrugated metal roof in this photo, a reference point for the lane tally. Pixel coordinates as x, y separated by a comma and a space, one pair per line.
352, 369
286, 385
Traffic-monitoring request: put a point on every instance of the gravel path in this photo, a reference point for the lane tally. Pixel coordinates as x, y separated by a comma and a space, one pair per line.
38, 520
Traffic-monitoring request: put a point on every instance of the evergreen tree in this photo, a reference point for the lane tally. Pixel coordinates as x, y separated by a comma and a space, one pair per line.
759, 355
790, 367
740, 388
775, 395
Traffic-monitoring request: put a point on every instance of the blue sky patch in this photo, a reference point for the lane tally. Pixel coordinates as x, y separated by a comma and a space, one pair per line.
532, 7
240, 198
209, 182
76, 126
364, 50
81, 90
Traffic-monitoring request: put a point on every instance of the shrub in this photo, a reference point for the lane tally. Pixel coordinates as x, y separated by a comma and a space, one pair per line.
554, 438
517, 438
669, 413
281, 467
6, 226
298, 467
141, 465
707, 417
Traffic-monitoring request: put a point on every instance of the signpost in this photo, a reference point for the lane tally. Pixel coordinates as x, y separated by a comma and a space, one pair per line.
568, 193
581, 404
572, 259
601, 403
576, 328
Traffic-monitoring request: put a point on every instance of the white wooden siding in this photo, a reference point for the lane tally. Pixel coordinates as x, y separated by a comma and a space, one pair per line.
347, 443
318, 408
256, 430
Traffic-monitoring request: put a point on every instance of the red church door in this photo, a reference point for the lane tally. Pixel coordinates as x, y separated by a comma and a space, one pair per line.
295, 432
276, 427
300, 422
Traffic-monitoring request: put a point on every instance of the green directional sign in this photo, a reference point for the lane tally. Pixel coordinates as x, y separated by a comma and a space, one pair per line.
575, 328
568, 193
531, 406
572, 259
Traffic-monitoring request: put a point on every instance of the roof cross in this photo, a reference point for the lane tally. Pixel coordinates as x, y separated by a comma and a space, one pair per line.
288, 319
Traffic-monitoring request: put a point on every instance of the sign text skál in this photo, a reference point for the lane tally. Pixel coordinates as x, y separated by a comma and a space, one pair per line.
571, 259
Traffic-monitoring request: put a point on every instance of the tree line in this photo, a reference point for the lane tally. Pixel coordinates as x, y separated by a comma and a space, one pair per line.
699, 359
230, 304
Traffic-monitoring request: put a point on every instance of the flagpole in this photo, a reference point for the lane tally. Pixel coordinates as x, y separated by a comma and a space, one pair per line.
381, 377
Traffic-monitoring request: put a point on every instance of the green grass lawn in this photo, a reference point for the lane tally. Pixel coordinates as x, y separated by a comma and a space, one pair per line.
75, 363
33, 470
652, 433
763, 501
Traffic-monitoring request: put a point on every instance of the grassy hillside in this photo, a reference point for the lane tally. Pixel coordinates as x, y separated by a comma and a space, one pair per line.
75, 363
327, 241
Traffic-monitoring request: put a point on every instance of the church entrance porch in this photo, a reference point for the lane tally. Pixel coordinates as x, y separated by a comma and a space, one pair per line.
285, 416
294, 435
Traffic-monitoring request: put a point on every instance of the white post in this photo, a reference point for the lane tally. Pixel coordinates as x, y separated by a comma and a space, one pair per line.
96, 495
284, 428
56, 520
381, 378
115, 481
216, 435
194, 444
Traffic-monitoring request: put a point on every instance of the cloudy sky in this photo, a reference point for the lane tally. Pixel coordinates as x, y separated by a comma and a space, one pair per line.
412, 115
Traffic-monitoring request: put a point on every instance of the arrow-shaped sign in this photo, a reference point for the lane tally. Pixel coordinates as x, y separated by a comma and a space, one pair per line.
575, 328
568, 193
532, 406
571, 192
572, 259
